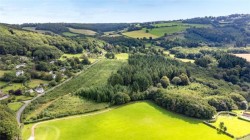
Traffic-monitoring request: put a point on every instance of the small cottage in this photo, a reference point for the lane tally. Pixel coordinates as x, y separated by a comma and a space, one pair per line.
39, 90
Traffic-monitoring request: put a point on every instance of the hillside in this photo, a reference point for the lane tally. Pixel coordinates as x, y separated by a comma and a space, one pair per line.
43, 47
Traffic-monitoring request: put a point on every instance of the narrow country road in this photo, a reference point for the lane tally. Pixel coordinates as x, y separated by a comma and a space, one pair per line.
26, 103
4, 97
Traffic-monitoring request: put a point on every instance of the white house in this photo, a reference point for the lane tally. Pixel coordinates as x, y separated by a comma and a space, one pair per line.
19, 72
20, 65
54, 76
39, 90
52, 62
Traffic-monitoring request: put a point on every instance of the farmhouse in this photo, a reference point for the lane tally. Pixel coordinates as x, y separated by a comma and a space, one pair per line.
19, 72
39, 90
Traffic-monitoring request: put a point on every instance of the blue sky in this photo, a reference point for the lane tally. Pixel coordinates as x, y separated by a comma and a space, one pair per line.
106, 11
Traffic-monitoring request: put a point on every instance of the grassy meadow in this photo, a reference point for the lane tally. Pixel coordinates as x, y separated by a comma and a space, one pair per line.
34, 30
142, 120
122, 56
69, 34
36, 82
64, 56
180, 59
2, 72
163, 28
167, 30
140, 34
82, 31
15, 106
13, 86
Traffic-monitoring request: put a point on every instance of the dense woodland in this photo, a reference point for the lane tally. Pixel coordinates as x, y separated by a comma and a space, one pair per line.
135, 81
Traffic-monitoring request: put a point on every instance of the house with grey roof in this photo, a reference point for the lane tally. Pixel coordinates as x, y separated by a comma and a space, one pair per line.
39, 90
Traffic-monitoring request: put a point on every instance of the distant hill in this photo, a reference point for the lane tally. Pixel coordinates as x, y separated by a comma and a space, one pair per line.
60, 28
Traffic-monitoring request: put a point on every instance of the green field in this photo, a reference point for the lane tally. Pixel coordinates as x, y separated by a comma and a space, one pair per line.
15, 105
2, 72
181, 24
181, 59
140, 34
168, 30
2, 83
162, 29
138, 121
97, 75
155, 32
82, 31
79, 55
122, 56
64, 56
13, 86
36, 82
234, 125
168, 24
69, 34
34, 29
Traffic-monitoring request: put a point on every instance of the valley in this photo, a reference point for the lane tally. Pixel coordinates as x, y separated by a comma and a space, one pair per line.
180, 79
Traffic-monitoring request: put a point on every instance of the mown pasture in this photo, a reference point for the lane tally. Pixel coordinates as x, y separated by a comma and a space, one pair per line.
139, 34
141, 120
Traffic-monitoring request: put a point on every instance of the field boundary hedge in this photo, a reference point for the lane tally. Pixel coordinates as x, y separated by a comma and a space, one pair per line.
92, 111
218, 129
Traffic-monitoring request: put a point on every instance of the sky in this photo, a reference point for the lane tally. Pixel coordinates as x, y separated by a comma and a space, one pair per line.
115, 11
